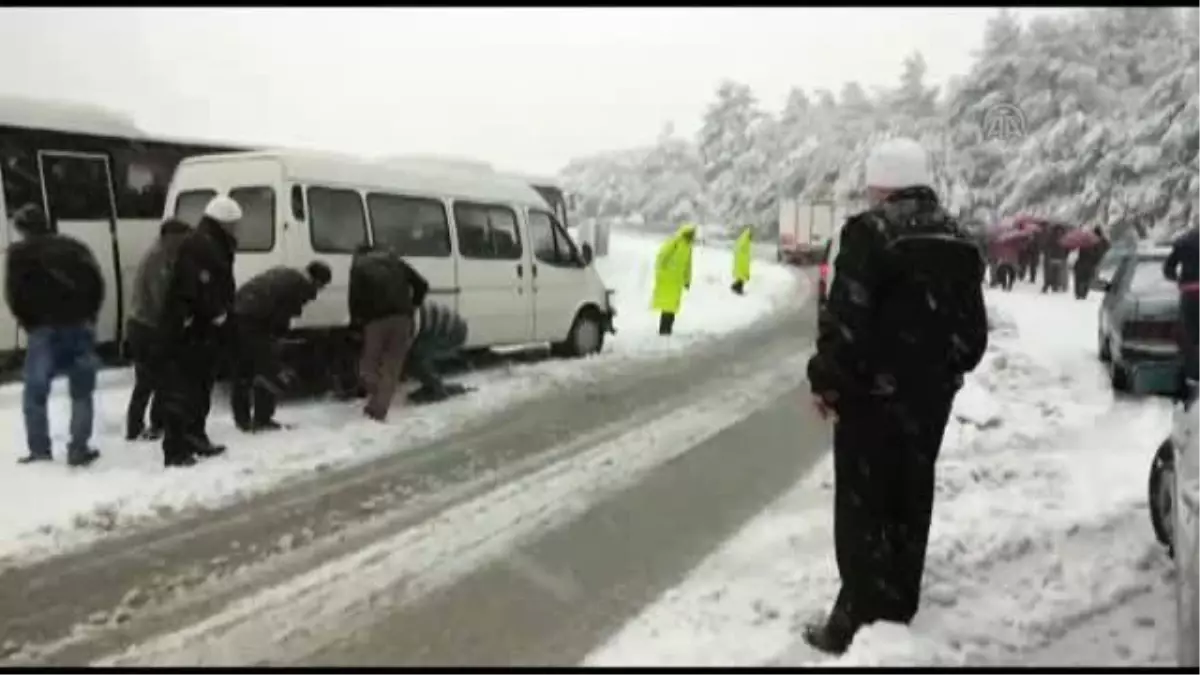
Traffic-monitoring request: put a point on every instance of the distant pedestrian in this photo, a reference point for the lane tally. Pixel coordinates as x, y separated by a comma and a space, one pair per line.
55, 289
1054, 256
904, 321
150, 287
1087, 261
264, 308
741, 260
673, 276
384, 293
195, 330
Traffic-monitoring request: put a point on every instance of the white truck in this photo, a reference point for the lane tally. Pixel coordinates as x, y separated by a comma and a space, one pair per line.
804, 228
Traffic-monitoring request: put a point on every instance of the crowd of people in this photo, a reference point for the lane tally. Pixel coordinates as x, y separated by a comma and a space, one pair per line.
1017, 249
188, 320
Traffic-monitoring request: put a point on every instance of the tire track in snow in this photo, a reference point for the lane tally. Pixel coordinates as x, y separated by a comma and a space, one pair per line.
336, 598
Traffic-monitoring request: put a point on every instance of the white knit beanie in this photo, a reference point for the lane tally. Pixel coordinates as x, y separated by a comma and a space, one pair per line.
223, 209
898, 163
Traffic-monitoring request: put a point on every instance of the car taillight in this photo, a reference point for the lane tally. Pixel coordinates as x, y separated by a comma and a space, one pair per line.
1154, 331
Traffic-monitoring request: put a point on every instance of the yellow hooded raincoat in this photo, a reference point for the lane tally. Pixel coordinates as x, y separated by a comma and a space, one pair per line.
673, 270
741, 257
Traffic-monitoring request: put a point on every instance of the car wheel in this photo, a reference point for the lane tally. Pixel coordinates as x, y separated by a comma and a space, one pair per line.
1105, 350
1162, 476
586, 336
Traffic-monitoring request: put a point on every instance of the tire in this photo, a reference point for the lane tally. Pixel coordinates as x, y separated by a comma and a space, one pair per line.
1105, 350
1162, 474
586, 336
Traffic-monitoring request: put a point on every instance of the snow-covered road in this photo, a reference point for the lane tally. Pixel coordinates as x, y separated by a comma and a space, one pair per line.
48, 508
1041, 551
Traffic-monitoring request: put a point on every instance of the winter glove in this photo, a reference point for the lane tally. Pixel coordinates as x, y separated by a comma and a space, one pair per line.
823, 403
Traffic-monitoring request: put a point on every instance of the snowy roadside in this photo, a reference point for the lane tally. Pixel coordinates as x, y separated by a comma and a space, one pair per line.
1041, 552
50, 507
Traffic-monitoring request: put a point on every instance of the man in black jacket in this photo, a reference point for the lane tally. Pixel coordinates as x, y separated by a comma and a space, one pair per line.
1087, 261
904, 321
384, 291
263, 311
150, 286
194, 330
54, 288
1181, 266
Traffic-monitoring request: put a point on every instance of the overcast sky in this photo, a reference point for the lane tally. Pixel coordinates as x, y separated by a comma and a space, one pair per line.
526, 89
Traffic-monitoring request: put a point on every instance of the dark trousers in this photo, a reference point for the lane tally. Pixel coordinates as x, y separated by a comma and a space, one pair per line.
1189, 316
884, 457
1055, 274
255, 374
1006, 274
666, 323
1033, 268
147, 372
189, 373
1083, 280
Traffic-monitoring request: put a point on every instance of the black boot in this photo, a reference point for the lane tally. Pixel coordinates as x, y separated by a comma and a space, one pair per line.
35, 457
82, 457
828, 637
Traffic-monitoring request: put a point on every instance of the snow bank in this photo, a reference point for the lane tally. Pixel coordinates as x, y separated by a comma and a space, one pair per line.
1040, 530
46, 507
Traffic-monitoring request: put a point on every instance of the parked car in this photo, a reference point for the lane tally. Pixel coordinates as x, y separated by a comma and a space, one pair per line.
1139, 322
1174, 497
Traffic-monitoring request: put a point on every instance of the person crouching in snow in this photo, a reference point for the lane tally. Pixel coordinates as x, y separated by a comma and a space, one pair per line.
263, 311
141, 330
440, 333
384, 292
903, 322
673, 275
55, 289
741, 261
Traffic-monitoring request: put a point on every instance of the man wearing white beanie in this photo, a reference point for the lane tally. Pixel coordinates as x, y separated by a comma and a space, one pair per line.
200, 296
903, 322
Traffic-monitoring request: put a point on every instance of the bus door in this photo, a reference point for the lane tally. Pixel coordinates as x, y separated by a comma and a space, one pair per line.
78, 198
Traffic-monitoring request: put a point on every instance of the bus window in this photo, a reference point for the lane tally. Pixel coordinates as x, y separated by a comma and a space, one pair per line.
256, 229
410, 226
189, 206
336, 220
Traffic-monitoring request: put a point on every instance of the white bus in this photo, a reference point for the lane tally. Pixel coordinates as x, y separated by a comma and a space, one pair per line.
489, 244
100, 180
104, 182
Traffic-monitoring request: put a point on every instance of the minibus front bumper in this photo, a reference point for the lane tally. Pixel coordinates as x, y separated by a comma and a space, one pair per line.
610, 313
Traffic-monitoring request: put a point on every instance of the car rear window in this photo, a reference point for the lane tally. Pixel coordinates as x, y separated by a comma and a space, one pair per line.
1148, 277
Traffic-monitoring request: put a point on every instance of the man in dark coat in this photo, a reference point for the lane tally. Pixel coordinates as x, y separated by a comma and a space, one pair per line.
55, 289
904, 321
384, 291
1087, 261
1054, 257
263, 312
1183, 267
150, 286
194, 330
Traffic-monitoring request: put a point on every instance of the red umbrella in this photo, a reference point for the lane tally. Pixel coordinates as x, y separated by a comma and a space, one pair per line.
1078, 238
1016, 236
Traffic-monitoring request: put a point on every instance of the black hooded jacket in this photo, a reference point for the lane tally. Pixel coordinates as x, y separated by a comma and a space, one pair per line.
905, 314
52, 280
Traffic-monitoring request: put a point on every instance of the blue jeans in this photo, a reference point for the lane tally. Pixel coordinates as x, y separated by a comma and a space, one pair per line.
52, 351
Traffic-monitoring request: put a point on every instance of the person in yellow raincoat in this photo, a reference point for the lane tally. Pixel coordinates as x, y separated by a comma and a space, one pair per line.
741, 261
673, 275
